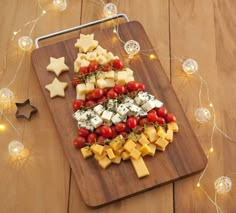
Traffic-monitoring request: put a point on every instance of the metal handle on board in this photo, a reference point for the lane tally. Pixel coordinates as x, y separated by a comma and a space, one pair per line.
80, 27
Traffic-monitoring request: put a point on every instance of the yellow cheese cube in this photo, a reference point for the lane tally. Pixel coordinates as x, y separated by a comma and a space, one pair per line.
110, 74
109, 56
143, 139
91, 79
98, 149
129, 72
80, 96
101, 83
101, 59
129, 78
89, 87
99, 50
93, 147
109, 82
125, 155
173, 126
140, 167
91, 56
169, 135
135, 154
138, 146
110, 153
81, 88
99, 157
116, 160
134, 137
145, 150
161, 132
129, 145
119, 151
121, 77
161, 144
151, 133
117, 143
153, 149
86, 152
104, 162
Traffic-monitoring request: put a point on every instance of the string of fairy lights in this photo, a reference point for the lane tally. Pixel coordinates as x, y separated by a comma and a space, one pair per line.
222, 184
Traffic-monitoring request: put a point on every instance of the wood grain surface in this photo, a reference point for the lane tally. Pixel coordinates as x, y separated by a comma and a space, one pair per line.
203, 30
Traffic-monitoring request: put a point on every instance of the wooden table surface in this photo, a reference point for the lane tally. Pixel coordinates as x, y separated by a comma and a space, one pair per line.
203, 30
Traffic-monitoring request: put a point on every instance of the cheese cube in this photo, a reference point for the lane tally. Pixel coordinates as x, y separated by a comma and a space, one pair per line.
134, 109
109, 56
84, 63
119, 151
116, 160
112, 104
128, 101
129, 72
134, 137
104, 162
143, 139
129, 78
135, 154
140, 167
129, 145
99, 109
141, 98
86, 152
101, 59
91, 56
161, 144
117, 143
151, 133
121, 77
107, 123
106, 115
149, 105
117, 118
85, 124
169, 135
80, 96
125, 155
99, 157
161, 132
89, 87
138, 146
122, 110
100, 75
96, 121
145, 150
98, 149
101, 83
153, 149
110, 74
158, 103
109, 82
81, 89
99, 50
81, 56
91, 79
173, 126
110, 153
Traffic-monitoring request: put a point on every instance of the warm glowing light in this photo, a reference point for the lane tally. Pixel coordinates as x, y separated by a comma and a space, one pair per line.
132, 47
223, 185
211, 149
6, 96
15, 33
211, 105
114, 31
152, 57
202, 115
109, 10
198, 185
60, 4
190, 66
25, 43
15, 148
2, 127
44, 11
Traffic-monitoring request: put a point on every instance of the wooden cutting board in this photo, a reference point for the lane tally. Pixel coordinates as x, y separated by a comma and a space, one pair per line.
182, 158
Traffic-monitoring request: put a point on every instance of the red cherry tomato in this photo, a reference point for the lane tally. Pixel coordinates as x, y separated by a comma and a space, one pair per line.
119, 89
124, 134
97, 93
138, 129
83, 132
101, 140
98, 131
106, 67
114, 133
143, 121
92, 137
132, 86
120, 127
111, 94
170, 118
141, 86
93, 66
75, 81
79, 142
132, 122
106, 131
83, 70
90, 104
160, 121
105, 90
117, 64
162, 112
152, 117
89, 97
77, 104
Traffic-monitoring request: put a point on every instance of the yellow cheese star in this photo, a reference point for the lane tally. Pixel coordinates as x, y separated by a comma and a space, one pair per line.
86, 43
57, 65
56, 88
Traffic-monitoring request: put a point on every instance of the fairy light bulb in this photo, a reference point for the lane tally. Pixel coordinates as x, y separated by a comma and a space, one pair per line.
198, 185
60, 4
2, 127
211, 149
15, 148
109, 10
202, 115
6, 96
132, 47
152, 57
25, 43
190, 66
44, 11
223, 185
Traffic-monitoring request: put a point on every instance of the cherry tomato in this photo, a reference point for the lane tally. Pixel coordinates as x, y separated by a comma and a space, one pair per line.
162, 112
120, 127
119, 89
97, 93
105, 90
152, 117
89, 96
77, 104
138, 129
83, 132
79, 142
75, 81
92, 137
111, 94
143, 121
93, 66
124, 134
153, 111
170, 118
117, 64
98, 130
132, 86
114, 133
141, 86
90, 103
106, 131
101, 140
160, 121
83, 70
106, 67
132, 122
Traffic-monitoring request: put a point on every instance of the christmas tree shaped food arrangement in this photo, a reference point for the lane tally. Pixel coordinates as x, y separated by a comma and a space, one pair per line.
117, 119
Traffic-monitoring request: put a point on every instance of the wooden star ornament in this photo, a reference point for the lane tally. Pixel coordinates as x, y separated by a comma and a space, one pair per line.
56, 88
86, 43
25, 109
57, 65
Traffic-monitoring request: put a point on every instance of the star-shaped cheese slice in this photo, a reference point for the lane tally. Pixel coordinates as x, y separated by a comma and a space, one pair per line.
57, 65
56, 88
86, 43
